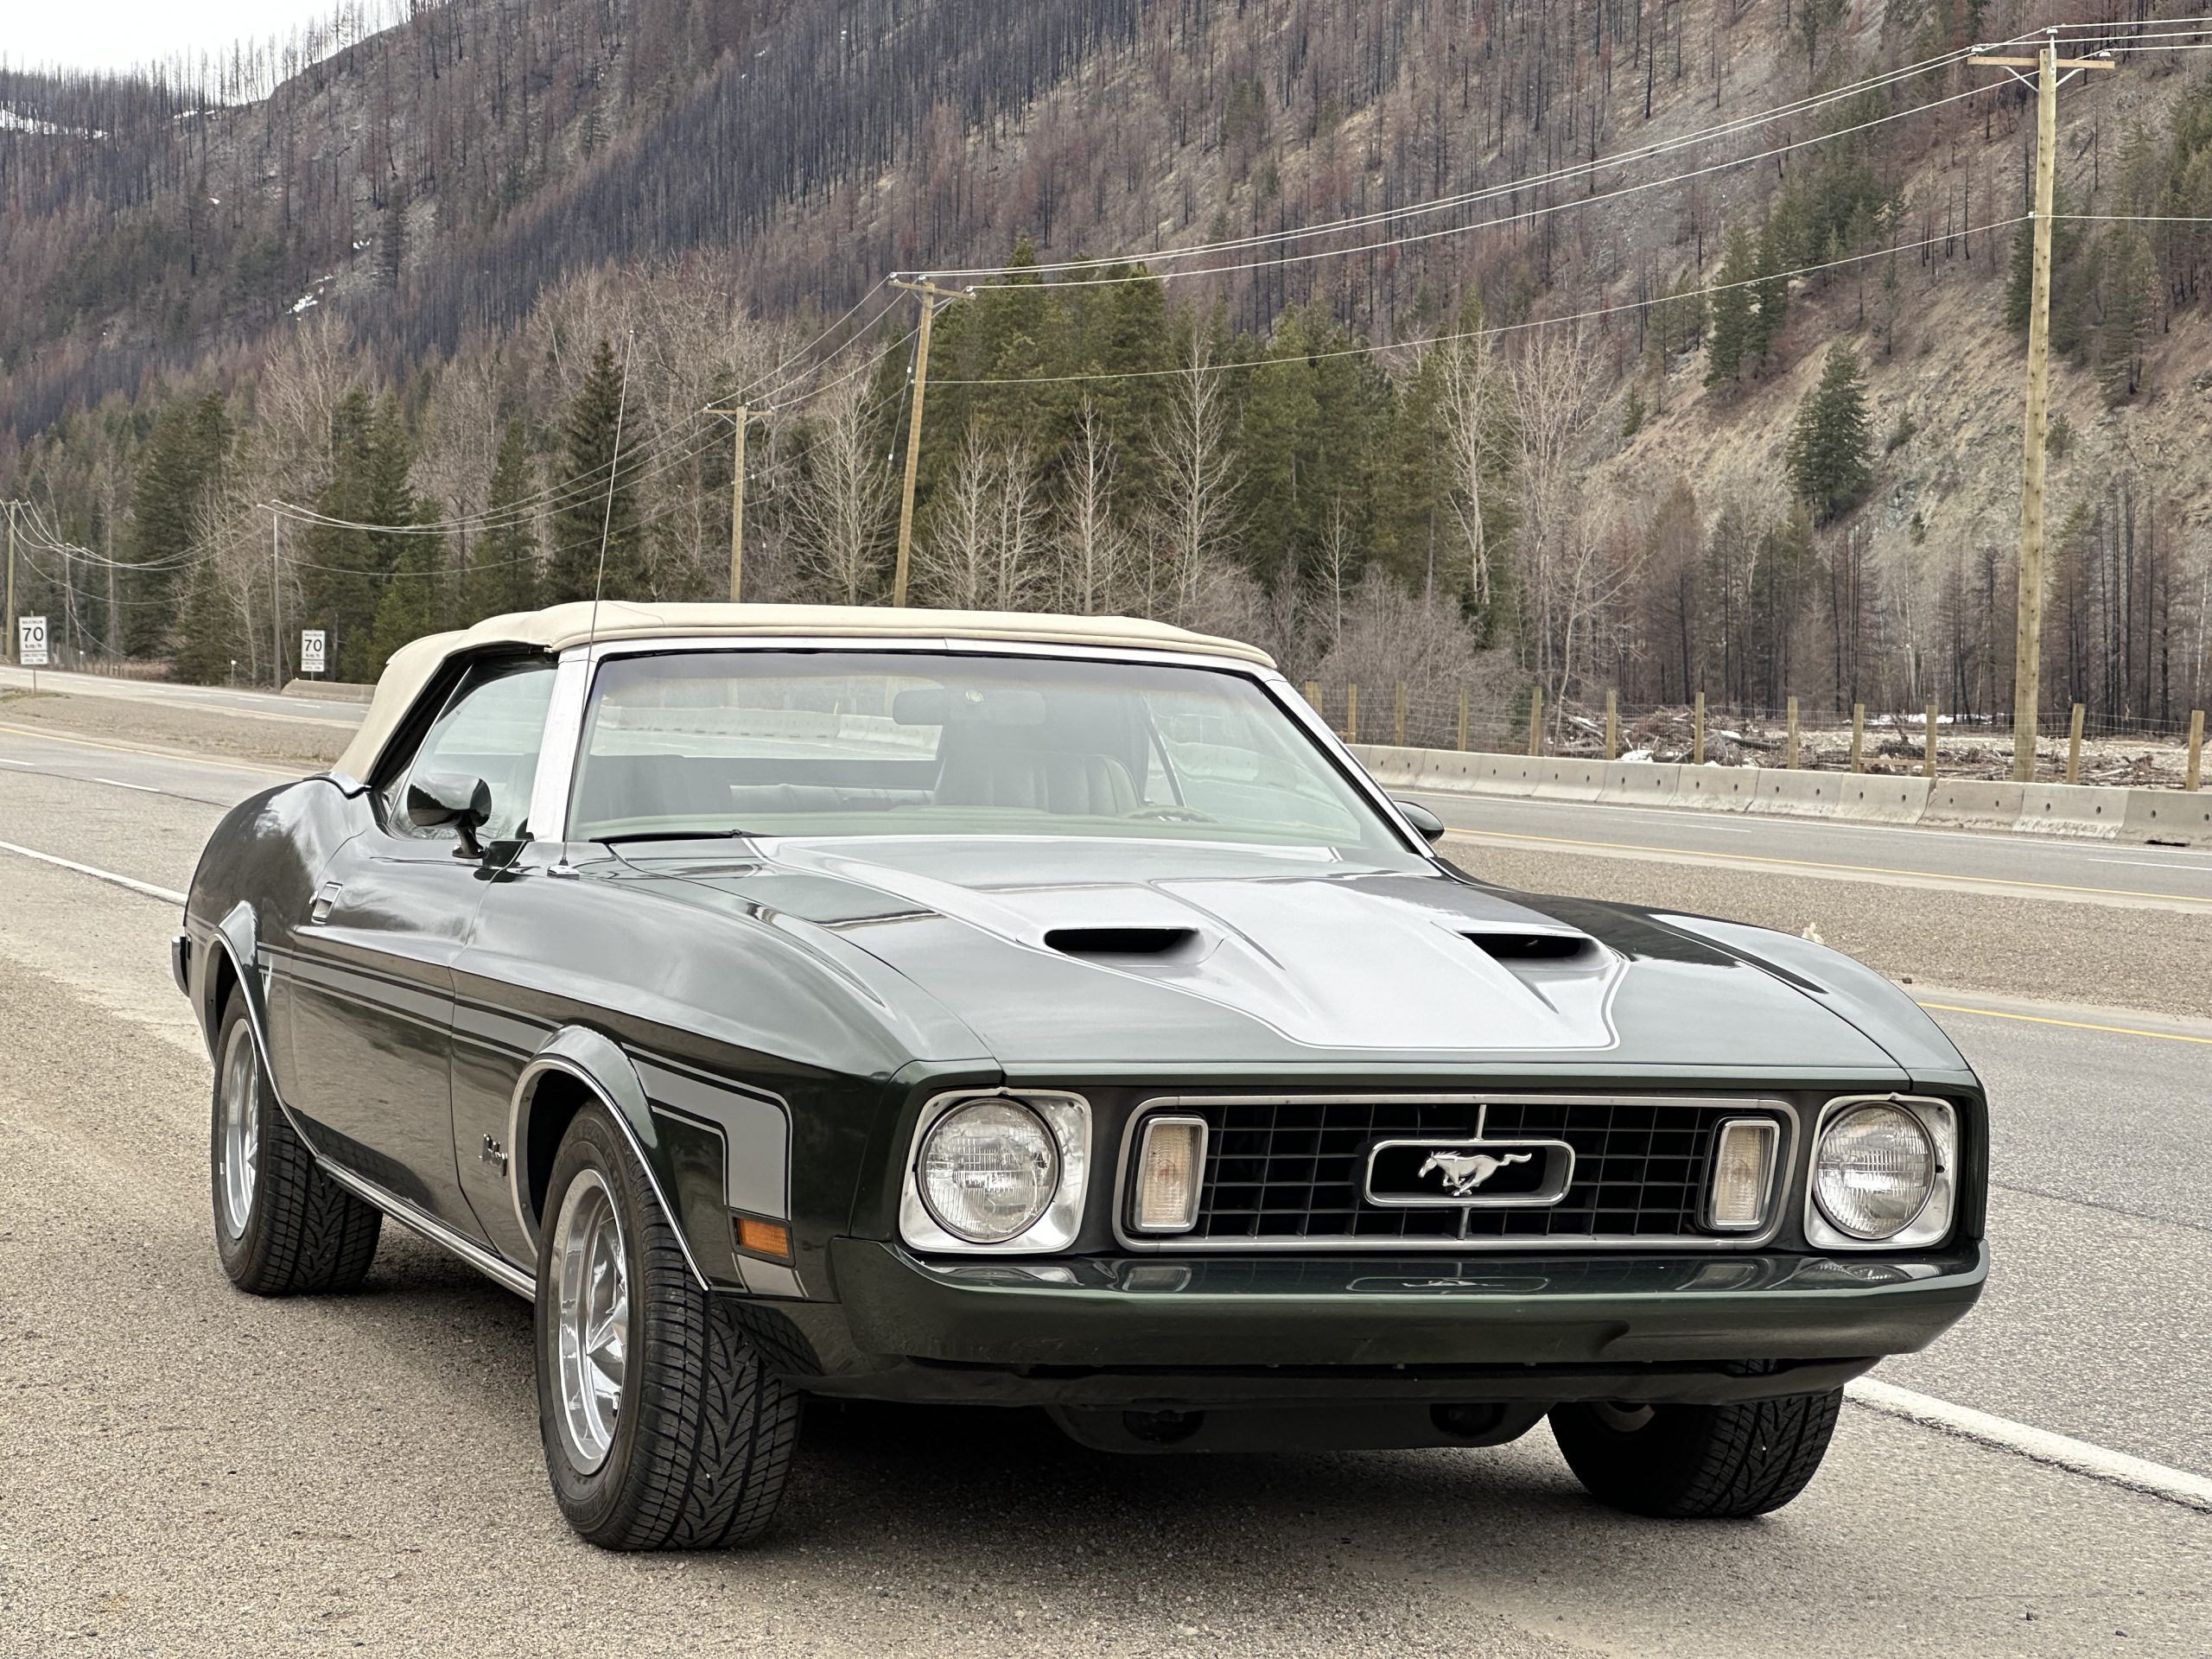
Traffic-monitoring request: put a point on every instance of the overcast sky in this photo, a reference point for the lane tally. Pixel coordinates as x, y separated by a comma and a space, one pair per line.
117, 34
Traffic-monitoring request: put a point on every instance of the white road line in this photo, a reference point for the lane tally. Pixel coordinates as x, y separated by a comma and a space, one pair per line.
5, 762
2062, 1451
117, 782
132, 882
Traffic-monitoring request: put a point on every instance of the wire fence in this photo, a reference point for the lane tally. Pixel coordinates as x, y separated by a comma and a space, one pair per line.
2074, 745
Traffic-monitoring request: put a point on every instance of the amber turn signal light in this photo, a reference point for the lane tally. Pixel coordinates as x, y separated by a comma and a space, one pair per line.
769, 1238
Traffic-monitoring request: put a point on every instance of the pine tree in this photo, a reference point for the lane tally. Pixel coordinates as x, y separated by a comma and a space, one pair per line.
183, 463
587, 512
502, 574
1831, 448
1729, 335
207, 637
1770, 294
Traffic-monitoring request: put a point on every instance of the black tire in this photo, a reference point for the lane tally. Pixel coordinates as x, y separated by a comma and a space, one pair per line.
704, 1433
1698, 1462
300, 1232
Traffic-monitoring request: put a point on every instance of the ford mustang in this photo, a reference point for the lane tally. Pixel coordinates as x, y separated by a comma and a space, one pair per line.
1047, 1011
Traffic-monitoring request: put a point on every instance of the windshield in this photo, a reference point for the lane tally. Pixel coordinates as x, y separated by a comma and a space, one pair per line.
885, 743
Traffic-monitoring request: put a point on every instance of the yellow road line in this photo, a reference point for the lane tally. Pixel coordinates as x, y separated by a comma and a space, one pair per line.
2076, 1025
159, 754
1820, 864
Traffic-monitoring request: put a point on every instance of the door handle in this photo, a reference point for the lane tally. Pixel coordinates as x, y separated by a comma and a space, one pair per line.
326, 896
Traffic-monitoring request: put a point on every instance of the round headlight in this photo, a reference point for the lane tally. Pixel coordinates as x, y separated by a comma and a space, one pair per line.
988, 1170
1874, 1171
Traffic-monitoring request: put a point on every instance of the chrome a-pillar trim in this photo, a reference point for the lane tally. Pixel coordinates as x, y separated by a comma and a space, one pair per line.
557, 746
499, 1271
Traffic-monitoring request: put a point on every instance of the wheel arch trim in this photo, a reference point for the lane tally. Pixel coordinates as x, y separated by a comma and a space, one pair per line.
599, 1064
236, 935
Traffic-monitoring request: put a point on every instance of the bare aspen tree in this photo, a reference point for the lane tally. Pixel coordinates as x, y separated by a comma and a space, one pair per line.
1196, 507
1019, 572
1094, 554
1553, 396
1339, 553
1476, 404
952, 561
840, 510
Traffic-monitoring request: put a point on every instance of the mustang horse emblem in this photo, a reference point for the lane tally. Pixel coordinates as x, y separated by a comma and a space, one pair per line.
1466, 1171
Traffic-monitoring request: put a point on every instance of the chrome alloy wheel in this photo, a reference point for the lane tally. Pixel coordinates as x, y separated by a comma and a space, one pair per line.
591, 1288
239, 1140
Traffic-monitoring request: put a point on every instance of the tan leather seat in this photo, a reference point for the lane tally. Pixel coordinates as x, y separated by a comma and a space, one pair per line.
1043, 780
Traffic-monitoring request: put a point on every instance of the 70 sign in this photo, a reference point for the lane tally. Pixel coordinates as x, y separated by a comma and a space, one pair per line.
31, 641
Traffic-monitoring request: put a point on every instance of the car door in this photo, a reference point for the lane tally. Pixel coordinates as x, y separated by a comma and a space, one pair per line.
372, 1005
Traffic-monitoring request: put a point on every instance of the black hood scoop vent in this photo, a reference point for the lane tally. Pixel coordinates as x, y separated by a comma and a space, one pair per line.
1121, 941
1516, 949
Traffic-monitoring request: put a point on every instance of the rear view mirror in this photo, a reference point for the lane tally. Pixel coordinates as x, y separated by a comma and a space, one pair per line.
1431, 826
439, 798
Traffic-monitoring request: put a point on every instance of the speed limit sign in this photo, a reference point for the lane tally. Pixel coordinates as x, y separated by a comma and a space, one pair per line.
311, 652
30, 641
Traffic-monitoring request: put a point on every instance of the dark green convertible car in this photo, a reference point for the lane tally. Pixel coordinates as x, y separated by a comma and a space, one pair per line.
1040, 1011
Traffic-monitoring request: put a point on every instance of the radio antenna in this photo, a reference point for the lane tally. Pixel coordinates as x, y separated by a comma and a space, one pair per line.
606, 519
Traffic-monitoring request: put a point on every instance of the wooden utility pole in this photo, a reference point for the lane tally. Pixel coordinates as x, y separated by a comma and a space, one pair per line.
2074, 746
276, 595
932, 297
741, 415
2027, 649
1612, 724
10, 647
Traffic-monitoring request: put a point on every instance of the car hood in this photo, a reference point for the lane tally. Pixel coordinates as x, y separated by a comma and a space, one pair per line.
1064, 955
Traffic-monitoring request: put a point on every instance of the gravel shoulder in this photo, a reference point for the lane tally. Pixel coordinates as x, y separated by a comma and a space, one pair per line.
298, 740
2092, 954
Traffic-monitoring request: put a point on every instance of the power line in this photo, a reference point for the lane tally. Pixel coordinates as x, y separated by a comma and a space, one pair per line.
1413, 210
1535, 212
1506, 327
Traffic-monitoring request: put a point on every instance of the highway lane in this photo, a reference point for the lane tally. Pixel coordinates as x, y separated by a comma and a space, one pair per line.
2027, 866
402, 1440
268, 704
209, 1474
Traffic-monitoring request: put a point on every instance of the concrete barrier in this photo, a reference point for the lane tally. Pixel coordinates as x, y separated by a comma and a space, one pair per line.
1507, 774
2071, 810
1393, 768
2090, 810
2168, 815
1798, 794
329, 690
1971, 804
1718, 789
1640, 782
1870, 799
1569, 780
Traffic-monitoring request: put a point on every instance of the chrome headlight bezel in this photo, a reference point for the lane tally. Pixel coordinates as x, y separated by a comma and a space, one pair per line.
1932, 1224
1065, 1116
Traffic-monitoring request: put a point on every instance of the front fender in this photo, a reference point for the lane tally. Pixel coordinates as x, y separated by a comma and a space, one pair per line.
593, 1061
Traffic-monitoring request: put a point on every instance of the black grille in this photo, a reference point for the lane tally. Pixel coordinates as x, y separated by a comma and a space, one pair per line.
1296, 1169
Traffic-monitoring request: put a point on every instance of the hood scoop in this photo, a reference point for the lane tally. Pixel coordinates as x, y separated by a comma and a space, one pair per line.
1518, 950
1122, 942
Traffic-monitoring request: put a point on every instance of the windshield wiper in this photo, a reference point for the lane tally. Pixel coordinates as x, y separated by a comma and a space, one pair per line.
675, 834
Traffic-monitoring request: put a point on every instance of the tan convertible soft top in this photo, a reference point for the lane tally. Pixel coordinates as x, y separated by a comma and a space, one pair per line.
559, 627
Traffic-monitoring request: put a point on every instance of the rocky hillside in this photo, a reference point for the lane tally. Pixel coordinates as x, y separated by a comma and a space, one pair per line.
462, 196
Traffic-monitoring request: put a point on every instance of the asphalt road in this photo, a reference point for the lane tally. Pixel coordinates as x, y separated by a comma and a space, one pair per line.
2101, 872
191, 1471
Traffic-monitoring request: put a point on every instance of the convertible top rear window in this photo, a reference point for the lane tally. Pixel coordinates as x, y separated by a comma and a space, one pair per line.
897, 743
